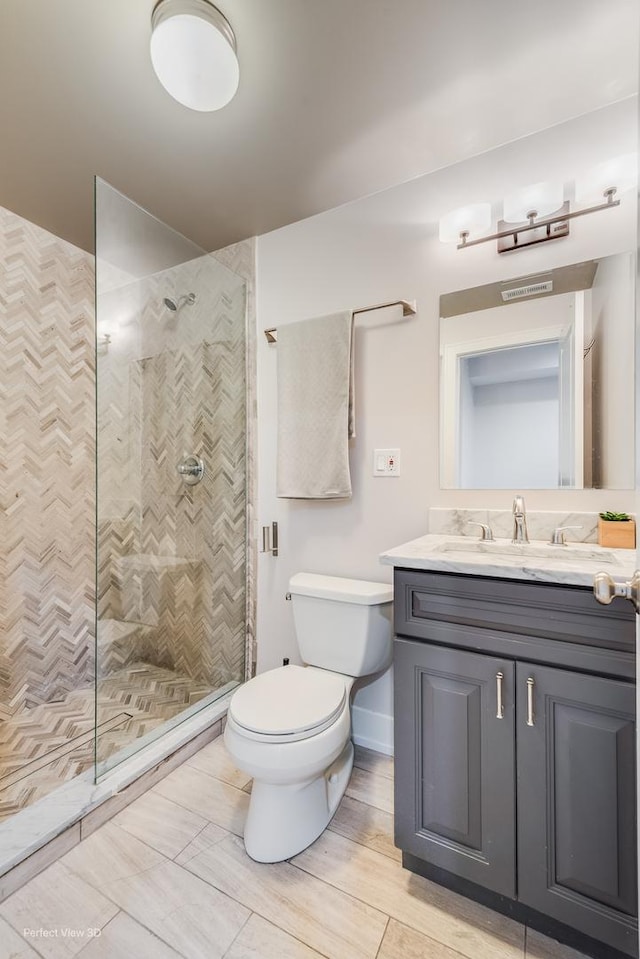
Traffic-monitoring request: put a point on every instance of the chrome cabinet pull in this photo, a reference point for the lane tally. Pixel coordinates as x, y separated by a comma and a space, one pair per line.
499, 703
530, 685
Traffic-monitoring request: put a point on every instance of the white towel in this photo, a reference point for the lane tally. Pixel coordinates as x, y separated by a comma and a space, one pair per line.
315, 407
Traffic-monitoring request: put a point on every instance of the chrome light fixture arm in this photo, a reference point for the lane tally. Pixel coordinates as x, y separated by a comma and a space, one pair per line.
535, 224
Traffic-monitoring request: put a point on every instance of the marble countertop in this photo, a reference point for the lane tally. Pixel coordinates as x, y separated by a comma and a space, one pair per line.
573, 564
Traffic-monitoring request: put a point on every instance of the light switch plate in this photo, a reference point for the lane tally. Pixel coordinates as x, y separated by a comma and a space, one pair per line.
386, 462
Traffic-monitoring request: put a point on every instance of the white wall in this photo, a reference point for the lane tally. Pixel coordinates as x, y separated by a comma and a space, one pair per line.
611, 304
513, 435
384, 247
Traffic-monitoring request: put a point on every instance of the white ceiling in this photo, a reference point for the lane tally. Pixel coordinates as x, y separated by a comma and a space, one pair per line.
337, 99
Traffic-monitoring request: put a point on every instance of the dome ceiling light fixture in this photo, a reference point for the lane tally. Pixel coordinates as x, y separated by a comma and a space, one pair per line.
193, 52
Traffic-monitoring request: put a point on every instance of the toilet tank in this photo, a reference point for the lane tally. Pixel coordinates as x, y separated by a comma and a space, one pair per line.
342, 624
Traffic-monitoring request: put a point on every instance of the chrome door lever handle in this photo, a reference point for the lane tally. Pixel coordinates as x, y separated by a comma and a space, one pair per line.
605, 589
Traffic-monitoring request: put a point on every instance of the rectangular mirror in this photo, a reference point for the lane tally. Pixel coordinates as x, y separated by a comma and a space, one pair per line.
537, 382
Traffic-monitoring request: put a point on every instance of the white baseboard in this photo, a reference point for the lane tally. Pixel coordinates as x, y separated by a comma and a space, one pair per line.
372, 730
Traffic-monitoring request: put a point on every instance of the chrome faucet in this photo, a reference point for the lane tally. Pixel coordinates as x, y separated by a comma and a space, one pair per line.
520, 534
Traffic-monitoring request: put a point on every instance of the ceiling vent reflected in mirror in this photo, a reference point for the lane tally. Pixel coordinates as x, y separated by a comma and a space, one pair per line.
532, 289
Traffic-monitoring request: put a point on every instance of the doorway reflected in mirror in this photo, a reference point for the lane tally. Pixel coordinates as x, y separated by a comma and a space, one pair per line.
536, 380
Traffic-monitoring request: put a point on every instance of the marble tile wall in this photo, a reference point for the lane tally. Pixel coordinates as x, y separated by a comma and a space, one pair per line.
241, 258
47, 457
173, 384
46, 466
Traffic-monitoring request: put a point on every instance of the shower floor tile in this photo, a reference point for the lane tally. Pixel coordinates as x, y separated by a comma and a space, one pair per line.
49, 744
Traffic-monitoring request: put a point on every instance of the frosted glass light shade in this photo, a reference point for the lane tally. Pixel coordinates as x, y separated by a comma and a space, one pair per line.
193, 52
474, 219
543, 197
620, 172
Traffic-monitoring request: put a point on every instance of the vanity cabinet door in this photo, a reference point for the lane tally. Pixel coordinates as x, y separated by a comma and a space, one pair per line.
454, 761
576, 801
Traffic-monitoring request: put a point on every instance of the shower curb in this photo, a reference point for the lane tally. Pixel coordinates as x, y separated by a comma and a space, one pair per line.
37, 836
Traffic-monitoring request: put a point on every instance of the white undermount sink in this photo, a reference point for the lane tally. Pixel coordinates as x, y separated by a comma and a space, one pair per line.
503, 549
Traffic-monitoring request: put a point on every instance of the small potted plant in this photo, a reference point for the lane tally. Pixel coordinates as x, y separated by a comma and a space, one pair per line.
616, 530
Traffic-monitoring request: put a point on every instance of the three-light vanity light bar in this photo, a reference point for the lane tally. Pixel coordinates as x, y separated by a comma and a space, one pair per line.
551, 228
541, 211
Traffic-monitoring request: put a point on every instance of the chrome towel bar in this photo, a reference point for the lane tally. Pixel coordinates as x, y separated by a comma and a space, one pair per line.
408, 309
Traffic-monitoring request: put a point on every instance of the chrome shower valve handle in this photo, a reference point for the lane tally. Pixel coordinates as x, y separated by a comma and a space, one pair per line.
191, 469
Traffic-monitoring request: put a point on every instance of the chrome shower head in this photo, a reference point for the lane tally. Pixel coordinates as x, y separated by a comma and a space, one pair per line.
170, 304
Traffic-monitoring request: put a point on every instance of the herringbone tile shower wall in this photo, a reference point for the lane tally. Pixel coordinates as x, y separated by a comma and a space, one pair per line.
172, 557
46, 466
241, 258
167, 386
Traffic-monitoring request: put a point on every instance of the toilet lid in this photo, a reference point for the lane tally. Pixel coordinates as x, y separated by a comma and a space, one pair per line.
288, 700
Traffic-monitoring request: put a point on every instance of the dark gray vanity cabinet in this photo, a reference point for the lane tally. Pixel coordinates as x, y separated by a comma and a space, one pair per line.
455, 757
577, 857
515, 750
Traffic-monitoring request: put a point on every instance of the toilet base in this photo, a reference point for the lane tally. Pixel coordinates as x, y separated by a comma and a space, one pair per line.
285, 819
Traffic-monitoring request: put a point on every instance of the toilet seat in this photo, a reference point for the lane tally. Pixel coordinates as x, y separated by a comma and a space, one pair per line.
288, 704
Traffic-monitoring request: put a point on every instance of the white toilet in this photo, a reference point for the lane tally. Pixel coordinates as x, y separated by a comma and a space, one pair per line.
290, 728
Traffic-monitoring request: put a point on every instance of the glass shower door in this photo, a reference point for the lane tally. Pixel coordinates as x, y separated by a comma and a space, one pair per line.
171, 478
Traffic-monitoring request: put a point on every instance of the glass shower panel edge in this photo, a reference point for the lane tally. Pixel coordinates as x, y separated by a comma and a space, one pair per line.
171, 478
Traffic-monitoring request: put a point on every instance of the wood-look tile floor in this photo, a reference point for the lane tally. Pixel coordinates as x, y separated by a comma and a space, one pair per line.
52, 743
168, 877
